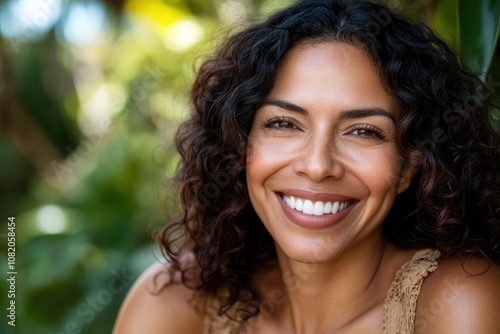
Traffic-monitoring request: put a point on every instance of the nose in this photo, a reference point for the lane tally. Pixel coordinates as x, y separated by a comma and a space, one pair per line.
319, 159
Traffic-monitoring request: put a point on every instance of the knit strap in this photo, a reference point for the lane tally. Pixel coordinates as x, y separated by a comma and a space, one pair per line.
401, 301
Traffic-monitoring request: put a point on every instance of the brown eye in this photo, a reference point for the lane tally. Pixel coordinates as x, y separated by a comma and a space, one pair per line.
284, 125
368, 132
279, 123
364, 132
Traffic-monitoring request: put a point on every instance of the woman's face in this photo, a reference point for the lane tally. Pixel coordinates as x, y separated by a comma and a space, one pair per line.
323, 169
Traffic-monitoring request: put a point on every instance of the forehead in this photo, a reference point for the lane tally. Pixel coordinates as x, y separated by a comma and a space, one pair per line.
334, 74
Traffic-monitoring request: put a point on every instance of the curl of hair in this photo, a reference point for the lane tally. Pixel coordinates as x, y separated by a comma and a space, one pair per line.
445, 130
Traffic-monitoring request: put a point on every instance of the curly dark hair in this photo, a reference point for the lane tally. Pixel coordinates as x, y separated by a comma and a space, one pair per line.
453, 203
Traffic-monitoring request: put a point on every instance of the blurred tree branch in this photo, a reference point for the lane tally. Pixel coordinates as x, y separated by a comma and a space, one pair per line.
24, 133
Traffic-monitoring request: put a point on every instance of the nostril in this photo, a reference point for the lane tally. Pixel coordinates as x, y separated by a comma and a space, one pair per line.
318, 165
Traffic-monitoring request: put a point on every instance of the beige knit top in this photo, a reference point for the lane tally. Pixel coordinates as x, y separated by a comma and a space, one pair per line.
399, 305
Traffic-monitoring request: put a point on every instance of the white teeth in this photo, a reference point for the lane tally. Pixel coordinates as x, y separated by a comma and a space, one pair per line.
328, 207
318, 208
335, 207
299, 204
308, 207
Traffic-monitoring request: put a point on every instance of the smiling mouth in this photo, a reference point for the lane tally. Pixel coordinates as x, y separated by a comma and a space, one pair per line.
315, 208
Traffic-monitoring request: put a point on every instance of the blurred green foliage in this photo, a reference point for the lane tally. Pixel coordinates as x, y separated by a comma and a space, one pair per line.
91, 93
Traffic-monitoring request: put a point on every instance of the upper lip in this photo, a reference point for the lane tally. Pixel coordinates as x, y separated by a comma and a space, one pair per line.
316, 196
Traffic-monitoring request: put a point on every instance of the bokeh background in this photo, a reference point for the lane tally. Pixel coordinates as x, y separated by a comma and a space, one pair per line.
91, 93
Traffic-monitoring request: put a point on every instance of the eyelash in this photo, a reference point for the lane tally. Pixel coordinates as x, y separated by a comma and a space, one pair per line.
273, 123
377, 134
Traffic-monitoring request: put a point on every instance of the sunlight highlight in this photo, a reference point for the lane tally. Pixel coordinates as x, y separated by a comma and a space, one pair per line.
51, 219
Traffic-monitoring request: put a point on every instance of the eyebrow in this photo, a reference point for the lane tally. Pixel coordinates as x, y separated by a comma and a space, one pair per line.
285, 105
366, 112
345, 114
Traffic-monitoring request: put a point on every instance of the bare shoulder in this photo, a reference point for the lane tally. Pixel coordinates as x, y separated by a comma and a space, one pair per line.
460, 297
159, 303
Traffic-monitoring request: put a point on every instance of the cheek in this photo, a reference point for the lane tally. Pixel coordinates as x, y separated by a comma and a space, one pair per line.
258, 159
267, 156
378, 168
265, 161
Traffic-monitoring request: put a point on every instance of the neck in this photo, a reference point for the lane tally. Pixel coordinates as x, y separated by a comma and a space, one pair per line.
326, 297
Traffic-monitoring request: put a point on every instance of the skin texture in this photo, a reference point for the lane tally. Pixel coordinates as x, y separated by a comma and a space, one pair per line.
322, 151
460, 297
327, 130
150, 310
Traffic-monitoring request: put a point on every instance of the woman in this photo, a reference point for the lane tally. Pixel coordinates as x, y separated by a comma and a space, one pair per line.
339, 175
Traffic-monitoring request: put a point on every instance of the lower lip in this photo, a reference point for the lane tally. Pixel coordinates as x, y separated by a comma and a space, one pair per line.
311, 221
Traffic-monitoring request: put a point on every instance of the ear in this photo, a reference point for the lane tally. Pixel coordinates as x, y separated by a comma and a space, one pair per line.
408, 170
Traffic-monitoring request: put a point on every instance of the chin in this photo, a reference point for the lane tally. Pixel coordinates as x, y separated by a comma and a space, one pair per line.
311, 251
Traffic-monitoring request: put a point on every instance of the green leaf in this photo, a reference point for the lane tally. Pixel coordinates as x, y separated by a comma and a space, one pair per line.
445, 22
479, 28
